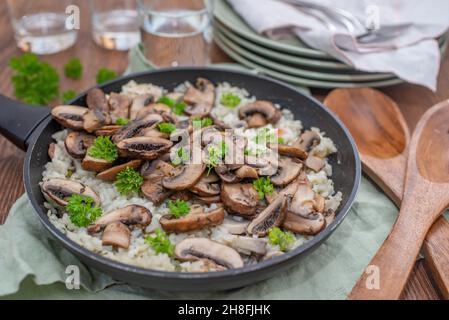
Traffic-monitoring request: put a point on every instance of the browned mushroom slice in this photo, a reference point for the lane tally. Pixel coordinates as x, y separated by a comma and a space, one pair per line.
90, 163
71, 117
153, 132
96, 99
134, 128
235, 227
288, 170
200, 98
319, 203
249, 245
289, 151
207, 186
272, 216
155, 108
157, 168
193, 221
259, 113
301, 225
77, 143
111, 174
193, 249
116, 234
315, 163
246, 172
225, 174
139, 103
303, 203
240, 198
209, 200
119, 105
308, 140
184, 177
153, 190
147, 148
132, 215
58, 191
52, 150
94, 119
108, 130
183, 195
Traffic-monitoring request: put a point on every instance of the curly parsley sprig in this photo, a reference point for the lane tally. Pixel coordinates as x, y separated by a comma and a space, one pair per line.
160, 243
128, 181
82, 210
103, 148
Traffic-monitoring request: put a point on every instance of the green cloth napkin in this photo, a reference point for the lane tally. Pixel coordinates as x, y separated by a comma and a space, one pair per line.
33, 264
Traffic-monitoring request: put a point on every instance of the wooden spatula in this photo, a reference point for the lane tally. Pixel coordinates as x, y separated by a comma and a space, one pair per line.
382, 137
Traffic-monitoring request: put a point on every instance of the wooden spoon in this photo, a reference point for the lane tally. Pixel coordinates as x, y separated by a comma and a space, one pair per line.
382, 137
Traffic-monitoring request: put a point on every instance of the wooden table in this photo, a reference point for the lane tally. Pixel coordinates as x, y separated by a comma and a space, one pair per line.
413, 100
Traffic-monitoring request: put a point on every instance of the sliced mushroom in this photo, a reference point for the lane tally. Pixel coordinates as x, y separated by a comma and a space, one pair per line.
71, 117
249, 245
329, 216
207, 186
288, 170
111, 174
209, 200
235, 227
259, 113
138, 103
132, 215
134, 128
95, 119
301, 225
108, 130
193, 249
116, 234
58, 191
153, 190
315, 163
181, 195
77, 143
272, 216
155, 108
96, 99
246, 172
303, 203
90, 163
240, 198
51, 150
184, 177
157, 168
319, 203
147, 148
119, 105
289, 151
225, 174
193, 221
153, 132
308, 140
200, 98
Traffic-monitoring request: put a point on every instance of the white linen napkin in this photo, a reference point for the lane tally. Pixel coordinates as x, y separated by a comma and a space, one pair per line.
413, 55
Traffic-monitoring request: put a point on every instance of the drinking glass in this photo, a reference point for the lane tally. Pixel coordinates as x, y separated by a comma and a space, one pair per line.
43, 27
115, 24
176, 32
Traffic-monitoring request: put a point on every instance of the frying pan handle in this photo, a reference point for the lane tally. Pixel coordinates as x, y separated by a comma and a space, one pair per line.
18, 120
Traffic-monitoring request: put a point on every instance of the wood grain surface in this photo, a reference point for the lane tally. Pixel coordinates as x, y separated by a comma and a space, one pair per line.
412, 100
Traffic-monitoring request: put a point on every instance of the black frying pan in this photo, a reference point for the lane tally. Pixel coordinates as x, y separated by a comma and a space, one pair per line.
31, 128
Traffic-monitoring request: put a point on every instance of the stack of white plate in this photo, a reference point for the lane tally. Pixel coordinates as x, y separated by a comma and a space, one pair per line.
290, 60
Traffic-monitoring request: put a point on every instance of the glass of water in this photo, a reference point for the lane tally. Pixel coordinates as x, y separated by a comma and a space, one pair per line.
176, 32
44, 26
115, 24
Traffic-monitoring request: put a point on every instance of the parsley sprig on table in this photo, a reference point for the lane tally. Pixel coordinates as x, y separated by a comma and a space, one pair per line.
128, 181
82, 210
177, 106
263, 187
34, 81
73, 69
178, 208
103, 148
160, 242
230, 100
105, 74
283, 239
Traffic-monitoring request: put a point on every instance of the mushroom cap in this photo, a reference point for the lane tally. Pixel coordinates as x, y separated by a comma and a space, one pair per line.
119, 105
193, 221
304, 201
116, 234
138, 103
71, 117
96, 99
134, 128
147, 148
153, 190
249, 245
95, 119
156, 167
94, 164
288, 170
308, 140
314, 163
58, 190
301, 225
246, 172
184, 177
192, 249
111, 173
77, 143
108, 130
132, 215
207, 186
270, 113
240, 198
289, 151
272, 216
200, 98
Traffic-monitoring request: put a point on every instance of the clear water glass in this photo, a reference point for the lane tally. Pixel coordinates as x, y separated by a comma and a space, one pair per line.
177, 32
44, 26
115, 24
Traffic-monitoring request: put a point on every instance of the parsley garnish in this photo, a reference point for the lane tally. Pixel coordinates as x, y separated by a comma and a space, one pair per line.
266, 135
167, 101
122, 122
281, 140
82, 210
181, 156
177, 107
128, 181
68, 95
178, 208
263, 186
34, 81
103, 148
215, 155
280, 238
160, 243
105, 75
230, 100
166, 127
73, 69
202, 123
